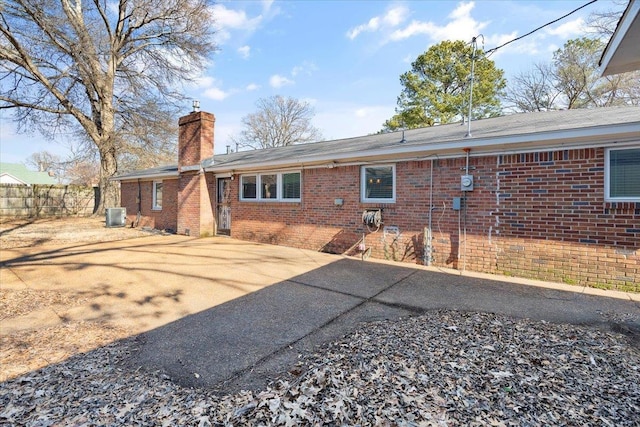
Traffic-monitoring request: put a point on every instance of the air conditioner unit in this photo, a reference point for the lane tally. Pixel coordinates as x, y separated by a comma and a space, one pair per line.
116, 217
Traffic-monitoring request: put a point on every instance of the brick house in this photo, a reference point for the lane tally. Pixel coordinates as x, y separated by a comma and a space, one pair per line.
551, 195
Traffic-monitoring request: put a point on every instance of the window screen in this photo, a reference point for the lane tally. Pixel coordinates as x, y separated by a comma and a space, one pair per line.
249, 187
378, 183
157, 195
624, 174
291, 185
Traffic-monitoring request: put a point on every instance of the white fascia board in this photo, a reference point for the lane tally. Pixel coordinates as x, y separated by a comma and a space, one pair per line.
538, 141
624, 25
146, 177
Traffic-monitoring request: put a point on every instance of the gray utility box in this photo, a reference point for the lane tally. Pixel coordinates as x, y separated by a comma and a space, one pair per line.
116, 217
466, 183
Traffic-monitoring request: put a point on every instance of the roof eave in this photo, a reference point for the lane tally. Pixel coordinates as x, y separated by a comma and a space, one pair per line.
610, 62
542, 140
145, 176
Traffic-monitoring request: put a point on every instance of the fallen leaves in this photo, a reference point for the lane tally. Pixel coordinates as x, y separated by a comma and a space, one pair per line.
443, 368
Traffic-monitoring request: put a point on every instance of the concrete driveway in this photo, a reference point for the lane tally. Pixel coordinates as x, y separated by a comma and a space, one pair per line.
229, 315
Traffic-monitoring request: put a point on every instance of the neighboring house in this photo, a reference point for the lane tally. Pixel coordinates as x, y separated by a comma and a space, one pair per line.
622, 53
15, 173
551, 195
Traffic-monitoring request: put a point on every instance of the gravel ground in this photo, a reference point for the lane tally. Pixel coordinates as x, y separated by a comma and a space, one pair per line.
444, 368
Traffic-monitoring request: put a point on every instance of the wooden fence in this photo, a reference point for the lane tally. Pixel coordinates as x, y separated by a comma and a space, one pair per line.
21, 201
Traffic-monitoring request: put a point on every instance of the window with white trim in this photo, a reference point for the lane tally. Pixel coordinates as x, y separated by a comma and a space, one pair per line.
378, 184
622, 174
157, 196
271, 187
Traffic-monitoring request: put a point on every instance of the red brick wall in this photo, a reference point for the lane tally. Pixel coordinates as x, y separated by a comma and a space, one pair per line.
165, 219
539, 215
555, 224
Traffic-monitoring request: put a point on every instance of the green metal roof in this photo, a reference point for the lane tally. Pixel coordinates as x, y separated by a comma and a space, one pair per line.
21, 173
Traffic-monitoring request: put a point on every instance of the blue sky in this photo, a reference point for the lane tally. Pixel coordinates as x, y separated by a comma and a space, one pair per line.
344, 57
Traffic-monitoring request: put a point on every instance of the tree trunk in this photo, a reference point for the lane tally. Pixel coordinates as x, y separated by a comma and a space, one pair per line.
109, 190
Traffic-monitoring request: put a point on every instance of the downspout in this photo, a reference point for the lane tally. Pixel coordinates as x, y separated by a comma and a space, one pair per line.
139, 214
429, 234
464, 206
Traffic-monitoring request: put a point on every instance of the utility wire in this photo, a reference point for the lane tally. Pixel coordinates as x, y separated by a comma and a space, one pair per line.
492, 51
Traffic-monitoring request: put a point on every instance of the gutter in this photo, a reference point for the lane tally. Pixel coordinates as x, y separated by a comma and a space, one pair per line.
147, 176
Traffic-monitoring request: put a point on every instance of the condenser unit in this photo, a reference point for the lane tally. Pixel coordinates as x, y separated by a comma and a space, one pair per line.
116, 217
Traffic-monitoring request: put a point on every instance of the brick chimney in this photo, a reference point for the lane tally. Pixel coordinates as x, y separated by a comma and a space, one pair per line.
195, 188
195, 138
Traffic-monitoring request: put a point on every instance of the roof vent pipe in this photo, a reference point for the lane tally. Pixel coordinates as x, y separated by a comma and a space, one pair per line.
196, 106
228, 149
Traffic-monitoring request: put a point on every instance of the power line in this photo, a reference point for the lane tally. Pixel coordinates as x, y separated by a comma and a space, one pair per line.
492, 51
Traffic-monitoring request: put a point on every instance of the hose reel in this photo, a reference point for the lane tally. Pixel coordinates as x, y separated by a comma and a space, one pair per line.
372, 218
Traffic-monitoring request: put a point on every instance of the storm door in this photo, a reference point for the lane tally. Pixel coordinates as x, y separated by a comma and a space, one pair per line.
224, 206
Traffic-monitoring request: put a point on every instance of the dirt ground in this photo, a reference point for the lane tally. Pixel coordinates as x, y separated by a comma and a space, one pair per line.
19, 233
27, 351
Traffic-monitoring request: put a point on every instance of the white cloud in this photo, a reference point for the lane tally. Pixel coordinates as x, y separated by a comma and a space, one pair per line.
234, 19
227, 20
568, 29
461, 26
372, 25
306, 67
462, 11
203, 82
392, 18
277, 81
244, 51
526, 47
216, 93
211, 88
395, 16
252, 86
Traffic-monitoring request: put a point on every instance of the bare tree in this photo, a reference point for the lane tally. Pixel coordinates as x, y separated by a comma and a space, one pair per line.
572, 81
149, 139
278, 122
44, 161
83, 172
97, 64
603, 23
533, 90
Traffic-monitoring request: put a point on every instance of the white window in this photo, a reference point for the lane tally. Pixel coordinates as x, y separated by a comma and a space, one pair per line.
378, 184
290, 186
273, 186
248, 183
157, 196
622, 174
